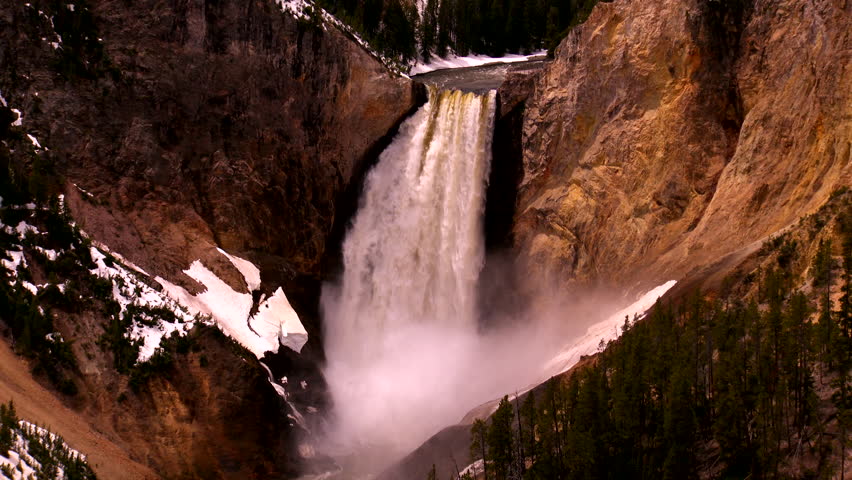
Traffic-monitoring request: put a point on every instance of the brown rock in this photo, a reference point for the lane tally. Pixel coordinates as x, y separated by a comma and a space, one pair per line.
223, 123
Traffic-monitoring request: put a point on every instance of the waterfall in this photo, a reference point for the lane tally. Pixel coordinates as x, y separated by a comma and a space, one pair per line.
411, 263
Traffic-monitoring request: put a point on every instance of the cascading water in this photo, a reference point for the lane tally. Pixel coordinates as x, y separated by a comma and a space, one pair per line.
405, 354
397, 322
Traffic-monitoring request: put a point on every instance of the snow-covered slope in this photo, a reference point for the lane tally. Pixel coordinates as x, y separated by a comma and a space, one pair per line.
37, 454
156, 315
474, 60
274, 323
605, 330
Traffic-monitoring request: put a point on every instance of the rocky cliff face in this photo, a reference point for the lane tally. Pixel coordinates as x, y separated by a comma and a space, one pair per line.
667, 135
179, 127
201, 123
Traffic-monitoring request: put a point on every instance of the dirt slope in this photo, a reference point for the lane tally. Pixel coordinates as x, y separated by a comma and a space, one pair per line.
36, 404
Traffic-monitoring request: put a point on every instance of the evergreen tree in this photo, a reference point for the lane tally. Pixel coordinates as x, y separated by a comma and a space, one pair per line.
398, 30
500, 449
479, 445
445, 28
428, 30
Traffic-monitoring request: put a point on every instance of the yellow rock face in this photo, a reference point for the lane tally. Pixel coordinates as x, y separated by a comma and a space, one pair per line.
666, 135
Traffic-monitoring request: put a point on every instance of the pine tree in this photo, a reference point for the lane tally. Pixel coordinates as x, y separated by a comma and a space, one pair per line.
527, 433
479, 445
398, 30
428, 30
8, 422
445, 28
500, 449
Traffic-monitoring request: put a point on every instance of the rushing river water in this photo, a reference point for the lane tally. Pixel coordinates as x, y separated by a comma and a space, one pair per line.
477, 79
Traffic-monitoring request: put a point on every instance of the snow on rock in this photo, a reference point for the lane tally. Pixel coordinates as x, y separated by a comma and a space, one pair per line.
276, 318
455, 61
29, 286
301, 9
227, 307
18, 121
34, 140
605, 331
129, 290
249, 271
125, 262
17, 259
83, 190
24, 227
295, 415
49, 253
472, 469
21, 462
297, 8
275, 323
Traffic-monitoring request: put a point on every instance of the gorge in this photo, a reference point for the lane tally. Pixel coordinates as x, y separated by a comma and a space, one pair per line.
355, 264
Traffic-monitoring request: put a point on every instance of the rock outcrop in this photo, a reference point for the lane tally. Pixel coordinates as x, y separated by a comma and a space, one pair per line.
666, 135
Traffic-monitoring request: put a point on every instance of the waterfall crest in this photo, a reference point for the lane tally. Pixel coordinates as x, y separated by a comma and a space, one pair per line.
411, 263
415, 248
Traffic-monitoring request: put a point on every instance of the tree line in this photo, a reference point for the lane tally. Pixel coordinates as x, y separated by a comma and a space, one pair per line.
490, 27
728, 388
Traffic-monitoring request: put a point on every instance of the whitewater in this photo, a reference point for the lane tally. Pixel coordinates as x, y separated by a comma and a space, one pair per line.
400, 319
405, 352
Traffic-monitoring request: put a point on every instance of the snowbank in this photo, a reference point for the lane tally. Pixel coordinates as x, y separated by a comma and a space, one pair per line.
249, 271
275, 317
605, 331
276, 323
455, 61
129, 290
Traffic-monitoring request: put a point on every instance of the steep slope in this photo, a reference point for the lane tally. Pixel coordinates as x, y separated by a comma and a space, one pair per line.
227, 124
39, 405
173, 129
666, 135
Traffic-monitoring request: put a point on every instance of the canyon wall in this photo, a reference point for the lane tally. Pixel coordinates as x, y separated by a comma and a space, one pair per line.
194, 123
667, 135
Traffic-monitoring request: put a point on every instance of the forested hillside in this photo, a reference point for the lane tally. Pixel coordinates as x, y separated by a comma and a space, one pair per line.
419, 31
749, 382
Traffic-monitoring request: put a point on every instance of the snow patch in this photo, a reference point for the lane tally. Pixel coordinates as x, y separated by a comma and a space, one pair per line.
473, 469
34, 140
605, 331
29, 286
129, 290
49, 253
123, 260
249, 271
22, 463
475, 60
276, 318
23, 228
84, 191
17, 259
274, 324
